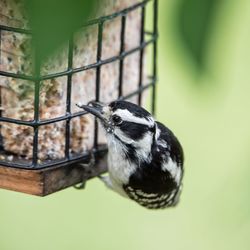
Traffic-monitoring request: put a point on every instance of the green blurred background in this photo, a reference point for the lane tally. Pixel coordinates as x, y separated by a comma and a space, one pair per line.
212, 121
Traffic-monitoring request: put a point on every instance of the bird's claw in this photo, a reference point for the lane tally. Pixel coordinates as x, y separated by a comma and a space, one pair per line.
88, 167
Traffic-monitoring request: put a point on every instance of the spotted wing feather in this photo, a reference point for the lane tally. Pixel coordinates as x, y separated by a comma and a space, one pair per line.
153, 200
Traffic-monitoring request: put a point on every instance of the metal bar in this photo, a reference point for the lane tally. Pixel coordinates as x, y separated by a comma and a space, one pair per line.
141, 52
80, 69
61, 118
88, 23
138, 91
0, 44
98, 74
122, 41
155, 55
1, 137
19, 76
19, 122
148, 33
101, 62
117, 14
36, 114
80, 158
36, 101
35, 147
76, 70
13, 29
41, 122
68, 101
15, 165
56, 119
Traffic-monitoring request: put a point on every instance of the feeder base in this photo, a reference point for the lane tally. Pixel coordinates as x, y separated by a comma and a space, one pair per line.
49, 180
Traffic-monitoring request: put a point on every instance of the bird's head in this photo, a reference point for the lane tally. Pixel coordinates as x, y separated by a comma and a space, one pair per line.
124, 122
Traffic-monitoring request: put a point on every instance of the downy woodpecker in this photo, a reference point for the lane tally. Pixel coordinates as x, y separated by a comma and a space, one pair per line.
145, 159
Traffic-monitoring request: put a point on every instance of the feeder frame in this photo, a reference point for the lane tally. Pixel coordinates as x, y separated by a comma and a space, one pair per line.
48, 177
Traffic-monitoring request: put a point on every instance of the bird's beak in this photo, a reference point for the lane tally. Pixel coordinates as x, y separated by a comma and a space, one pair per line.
96, 109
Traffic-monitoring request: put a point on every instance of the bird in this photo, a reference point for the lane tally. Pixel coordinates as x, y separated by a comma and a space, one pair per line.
145, 159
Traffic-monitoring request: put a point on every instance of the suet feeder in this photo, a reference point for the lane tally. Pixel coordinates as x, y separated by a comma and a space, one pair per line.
45, 140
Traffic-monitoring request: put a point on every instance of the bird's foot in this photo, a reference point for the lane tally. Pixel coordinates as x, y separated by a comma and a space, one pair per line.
88, 168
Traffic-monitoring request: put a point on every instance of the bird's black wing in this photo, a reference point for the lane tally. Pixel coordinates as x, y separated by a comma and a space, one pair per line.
152, 187
174, 148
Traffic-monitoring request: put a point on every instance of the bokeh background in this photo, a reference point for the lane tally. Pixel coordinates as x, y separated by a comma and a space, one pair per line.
209, 111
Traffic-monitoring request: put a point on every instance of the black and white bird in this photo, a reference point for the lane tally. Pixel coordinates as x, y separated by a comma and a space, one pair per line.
145, 159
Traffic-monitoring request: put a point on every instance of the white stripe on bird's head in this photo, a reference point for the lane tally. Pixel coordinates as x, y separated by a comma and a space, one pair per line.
130, 117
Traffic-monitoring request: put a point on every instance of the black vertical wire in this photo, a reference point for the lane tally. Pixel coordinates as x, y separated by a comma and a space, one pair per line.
36, 113
0, 44
155, 32
141, 53
98, 74
122, 42
68, 101
1, 138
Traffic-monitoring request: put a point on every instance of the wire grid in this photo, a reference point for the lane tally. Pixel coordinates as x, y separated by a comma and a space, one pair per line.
37, 78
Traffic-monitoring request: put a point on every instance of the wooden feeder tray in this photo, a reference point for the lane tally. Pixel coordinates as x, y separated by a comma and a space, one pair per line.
42, 182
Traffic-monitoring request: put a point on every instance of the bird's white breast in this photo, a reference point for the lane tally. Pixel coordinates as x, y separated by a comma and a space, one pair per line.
120, 169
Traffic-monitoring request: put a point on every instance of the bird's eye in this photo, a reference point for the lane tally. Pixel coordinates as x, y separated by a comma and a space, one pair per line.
116, 119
